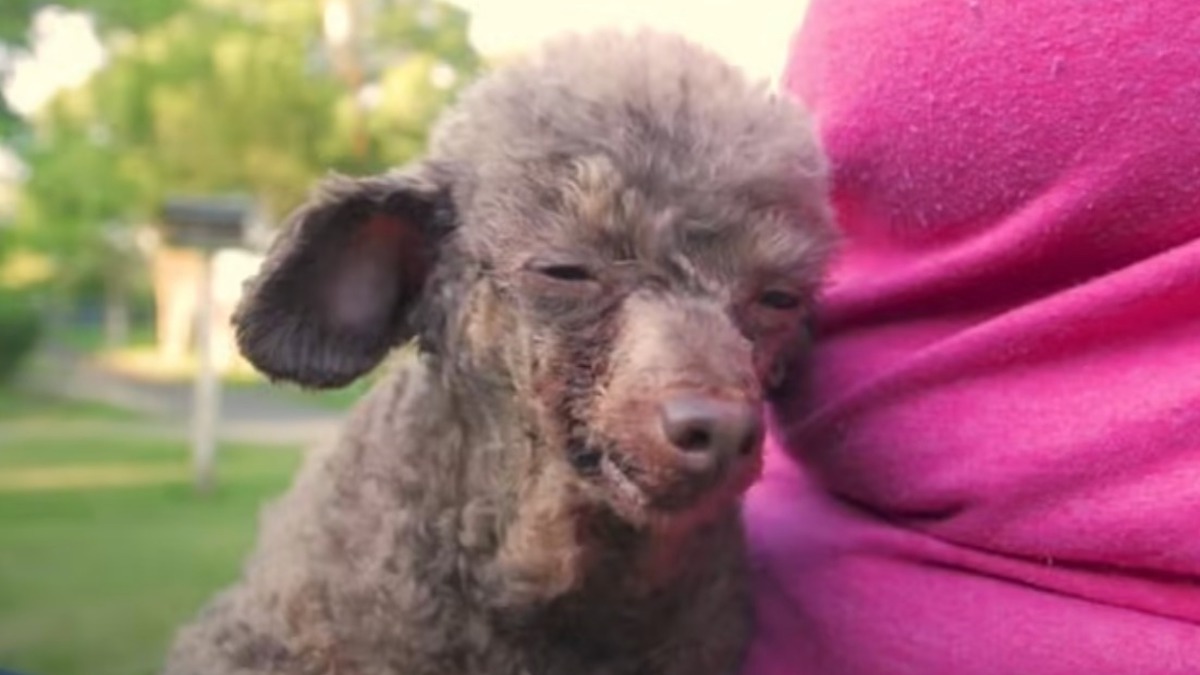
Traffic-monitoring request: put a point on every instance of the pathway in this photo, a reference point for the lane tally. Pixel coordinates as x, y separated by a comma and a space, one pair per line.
247, 415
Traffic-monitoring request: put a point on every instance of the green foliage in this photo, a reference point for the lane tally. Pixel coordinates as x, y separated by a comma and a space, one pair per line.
210, 102
72, 191
226, 96
20, 326
112, 14
10, 123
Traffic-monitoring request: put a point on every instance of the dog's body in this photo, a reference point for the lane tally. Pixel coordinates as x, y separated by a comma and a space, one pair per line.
425, 586
607, 266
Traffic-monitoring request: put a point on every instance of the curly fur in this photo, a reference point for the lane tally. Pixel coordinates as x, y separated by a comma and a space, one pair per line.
591, 233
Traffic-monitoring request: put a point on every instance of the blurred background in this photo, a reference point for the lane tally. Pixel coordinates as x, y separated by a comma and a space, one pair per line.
148, 150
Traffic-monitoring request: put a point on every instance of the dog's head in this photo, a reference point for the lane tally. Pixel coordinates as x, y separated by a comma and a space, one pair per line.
620, 231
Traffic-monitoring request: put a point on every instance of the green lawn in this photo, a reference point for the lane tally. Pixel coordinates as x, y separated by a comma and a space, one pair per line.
104, 547
136, 358
90, 338
330, 399
37, 408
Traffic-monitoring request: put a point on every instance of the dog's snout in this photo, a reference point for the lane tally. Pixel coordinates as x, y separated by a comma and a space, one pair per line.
709, 430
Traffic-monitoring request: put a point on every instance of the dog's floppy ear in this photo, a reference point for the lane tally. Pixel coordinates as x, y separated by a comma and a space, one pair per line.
337, 288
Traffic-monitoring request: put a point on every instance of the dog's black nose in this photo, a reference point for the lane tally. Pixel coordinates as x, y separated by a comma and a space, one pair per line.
711, 430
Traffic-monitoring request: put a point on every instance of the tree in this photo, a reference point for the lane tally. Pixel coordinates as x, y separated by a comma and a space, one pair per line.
73, 201
135, 15
232, 96
10, 123
219, 96
216, 101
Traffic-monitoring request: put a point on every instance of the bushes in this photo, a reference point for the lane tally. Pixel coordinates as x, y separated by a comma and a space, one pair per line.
20, 327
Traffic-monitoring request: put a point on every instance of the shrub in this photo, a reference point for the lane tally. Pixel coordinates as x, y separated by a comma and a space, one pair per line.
20, 327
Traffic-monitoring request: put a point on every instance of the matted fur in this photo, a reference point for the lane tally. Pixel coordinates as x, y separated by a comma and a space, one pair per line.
609, 223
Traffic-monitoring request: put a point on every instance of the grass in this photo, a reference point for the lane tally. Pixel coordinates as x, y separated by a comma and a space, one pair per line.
140, 359
329, 399
104, 546
38, 408
144, 362
89, 338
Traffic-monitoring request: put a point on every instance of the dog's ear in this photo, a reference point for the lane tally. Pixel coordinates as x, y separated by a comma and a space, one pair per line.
338, 287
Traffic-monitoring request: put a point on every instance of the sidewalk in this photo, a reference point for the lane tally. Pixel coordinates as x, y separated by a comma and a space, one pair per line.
247, 416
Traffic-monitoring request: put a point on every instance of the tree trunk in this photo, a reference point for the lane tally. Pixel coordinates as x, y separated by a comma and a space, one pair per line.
116, 311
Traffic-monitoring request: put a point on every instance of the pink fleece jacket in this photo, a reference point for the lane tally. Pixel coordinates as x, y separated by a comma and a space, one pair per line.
999, 470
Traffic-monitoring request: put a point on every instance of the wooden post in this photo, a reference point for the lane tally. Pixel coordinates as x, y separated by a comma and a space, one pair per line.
205, 226
116, 310
206, 394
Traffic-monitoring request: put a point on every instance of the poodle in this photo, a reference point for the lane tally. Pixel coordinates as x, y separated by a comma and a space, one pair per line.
606, 259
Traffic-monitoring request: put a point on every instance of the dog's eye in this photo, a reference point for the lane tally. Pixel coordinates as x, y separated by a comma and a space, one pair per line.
564, 271
779, 299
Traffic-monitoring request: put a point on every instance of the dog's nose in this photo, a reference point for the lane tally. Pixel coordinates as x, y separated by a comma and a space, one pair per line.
709, 430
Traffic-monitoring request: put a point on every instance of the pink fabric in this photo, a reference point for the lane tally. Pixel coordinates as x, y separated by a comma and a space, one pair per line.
999, 471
